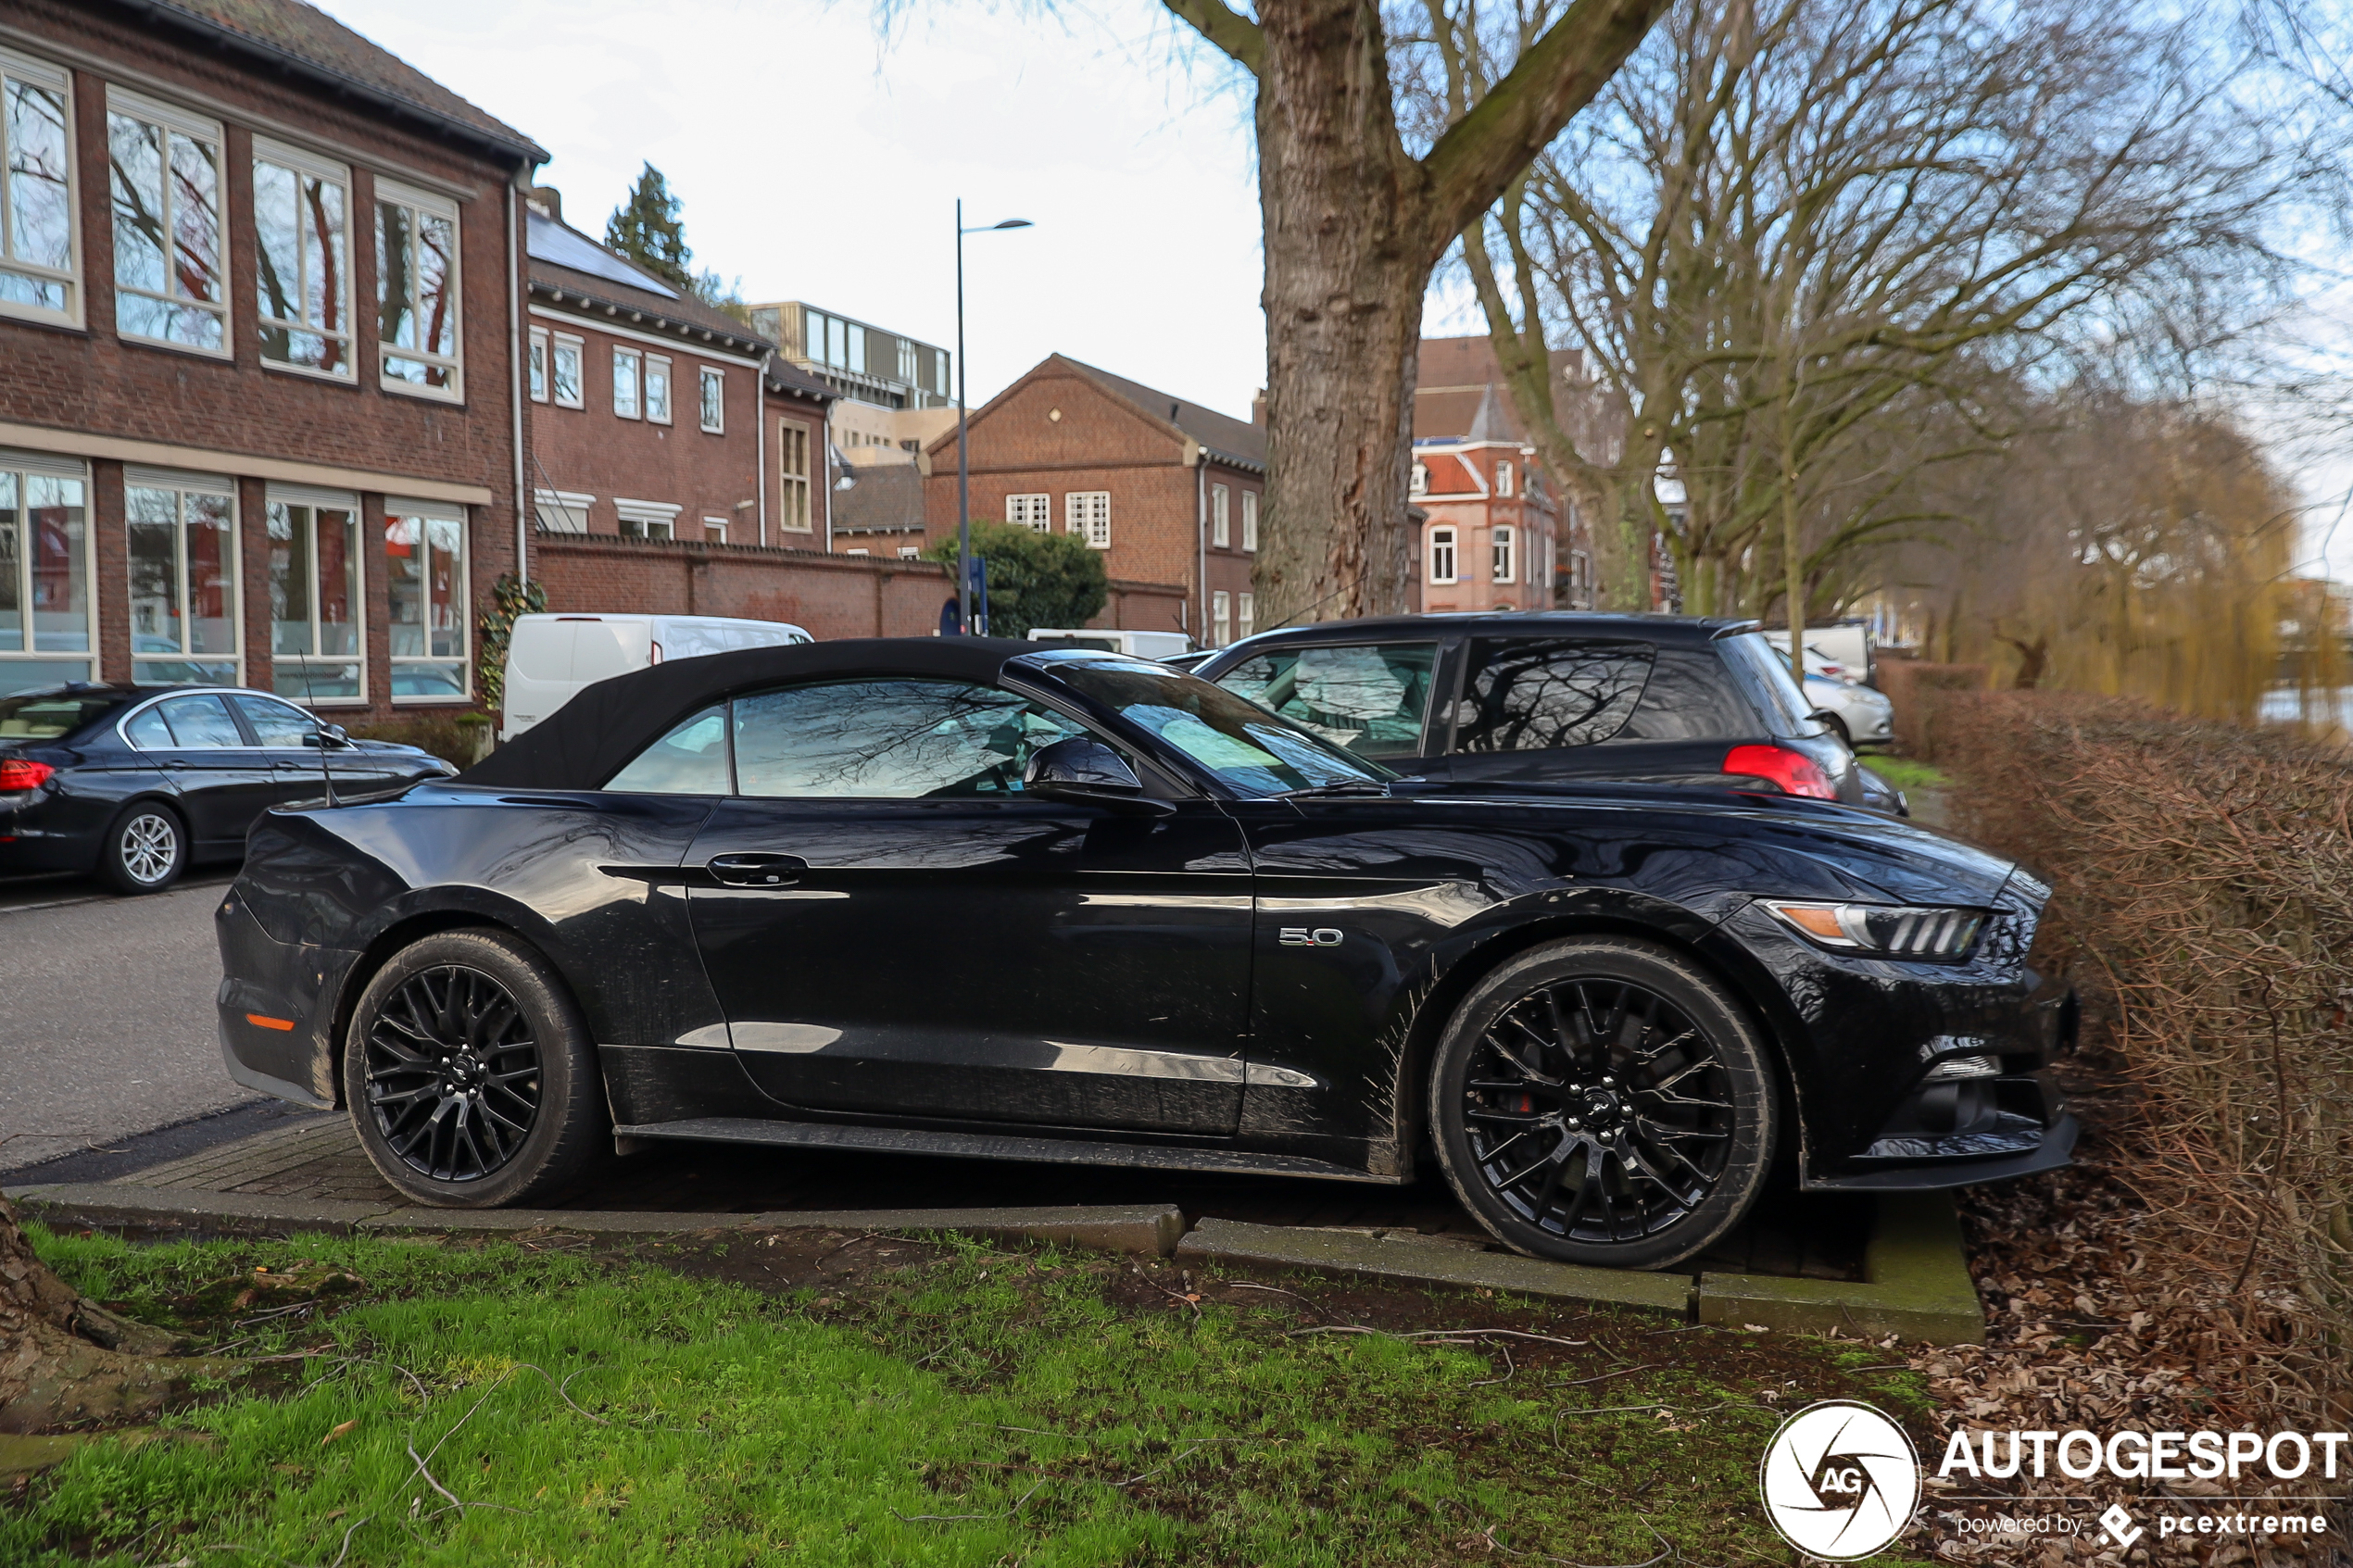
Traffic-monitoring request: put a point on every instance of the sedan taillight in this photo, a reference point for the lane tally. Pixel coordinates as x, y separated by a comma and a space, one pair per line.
19, 773
1794, 771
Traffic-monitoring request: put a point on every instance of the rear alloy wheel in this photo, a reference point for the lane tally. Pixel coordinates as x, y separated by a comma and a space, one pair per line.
145, 850
1604, 1101
468, 1073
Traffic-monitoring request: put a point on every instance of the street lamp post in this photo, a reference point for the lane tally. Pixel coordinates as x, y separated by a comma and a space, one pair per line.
963, 457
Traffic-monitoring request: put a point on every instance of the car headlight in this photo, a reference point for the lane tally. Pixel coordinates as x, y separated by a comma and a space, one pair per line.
1891, 930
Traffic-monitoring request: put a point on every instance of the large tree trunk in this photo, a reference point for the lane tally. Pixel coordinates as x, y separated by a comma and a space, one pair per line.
67, 1361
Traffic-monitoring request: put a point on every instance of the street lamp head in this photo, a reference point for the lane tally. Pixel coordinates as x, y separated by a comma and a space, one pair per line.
1012, 223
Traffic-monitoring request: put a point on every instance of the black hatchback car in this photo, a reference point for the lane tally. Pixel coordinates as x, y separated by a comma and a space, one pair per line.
961, 897
1553, 696
137, 782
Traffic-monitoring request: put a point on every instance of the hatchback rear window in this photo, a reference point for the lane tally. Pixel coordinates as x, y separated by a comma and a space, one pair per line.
1766, 671
50, 716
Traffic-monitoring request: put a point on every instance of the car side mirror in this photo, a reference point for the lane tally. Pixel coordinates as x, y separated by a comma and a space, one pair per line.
328, 737
1082, 768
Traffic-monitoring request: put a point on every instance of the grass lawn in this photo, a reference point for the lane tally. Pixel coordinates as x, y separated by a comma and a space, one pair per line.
1904, 773
838, 1399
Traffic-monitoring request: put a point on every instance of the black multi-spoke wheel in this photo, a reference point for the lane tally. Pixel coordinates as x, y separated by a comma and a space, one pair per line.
1604, 1101
469, 1075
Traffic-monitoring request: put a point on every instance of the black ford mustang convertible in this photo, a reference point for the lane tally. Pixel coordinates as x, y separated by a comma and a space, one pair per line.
974, 897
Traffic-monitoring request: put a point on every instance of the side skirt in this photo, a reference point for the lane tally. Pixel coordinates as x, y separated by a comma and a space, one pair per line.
989, 1146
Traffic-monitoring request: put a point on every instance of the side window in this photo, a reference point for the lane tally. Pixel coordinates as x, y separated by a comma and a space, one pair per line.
1371, 700
690, 760
889, 739
200, 722
148, 732
277, 724
1541, 693
1691, 697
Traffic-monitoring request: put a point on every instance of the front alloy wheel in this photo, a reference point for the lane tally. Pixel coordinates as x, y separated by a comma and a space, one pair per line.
1604, 1102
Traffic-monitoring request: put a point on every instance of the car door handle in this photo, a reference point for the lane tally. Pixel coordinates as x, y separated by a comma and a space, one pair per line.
177, 764
755, 870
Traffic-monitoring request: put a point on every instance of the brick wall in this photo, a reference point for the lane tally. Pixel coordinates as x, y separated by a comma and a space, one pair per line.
828, 595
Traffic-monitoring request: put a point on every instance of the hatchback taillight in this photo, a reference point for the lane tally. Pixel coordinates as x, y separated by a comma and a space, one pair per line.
1794, 771
19, 773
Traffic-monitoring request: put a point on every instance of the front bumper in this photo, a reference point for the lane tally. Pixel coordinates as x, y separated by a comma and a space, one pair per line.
2053, 1147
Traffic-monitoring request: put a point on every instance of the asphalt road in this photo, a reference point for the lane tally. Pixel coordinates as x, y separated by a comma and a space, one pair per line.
105, 1014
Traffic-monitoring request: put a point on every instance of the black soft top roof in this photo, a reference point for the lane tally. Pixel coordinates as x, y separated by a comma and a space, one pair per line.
586, 741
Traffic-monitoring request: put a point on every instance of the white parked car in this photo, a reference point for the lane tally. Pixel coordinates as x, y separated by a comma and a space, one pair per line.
1142, 645
1862, 716
551, 657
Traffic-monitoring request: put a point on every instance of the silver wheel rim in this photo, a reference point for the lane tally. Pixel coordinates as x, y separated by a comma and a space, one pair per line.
150, 848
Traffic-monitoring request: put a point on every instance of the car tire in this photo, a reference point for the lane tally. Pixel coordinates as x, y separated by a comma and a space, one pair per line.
1605, 1102
469, 1074
144, 849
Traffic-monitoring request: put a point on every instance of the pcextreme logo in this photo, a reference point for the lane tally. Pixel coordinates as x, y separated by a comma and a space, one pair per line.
1840, 1480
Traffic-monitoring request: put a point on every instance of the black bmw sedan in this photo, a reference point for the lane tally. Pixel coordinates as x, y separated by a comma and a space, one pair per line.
138, 783
1554, 695
963, 897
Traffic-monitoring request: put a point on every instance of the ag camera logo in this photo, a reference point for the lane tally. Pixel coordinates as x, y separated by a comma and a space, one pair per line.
1840, 1480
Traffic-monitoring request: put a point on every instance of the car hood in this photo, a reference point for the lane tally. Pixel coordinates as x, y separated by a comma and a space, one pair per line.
1853, 850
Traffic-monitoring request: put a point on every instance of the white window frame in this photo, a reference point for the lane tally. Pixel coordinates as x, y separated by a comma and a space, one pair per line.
1441, 552
1221, 616
634, 358
1503, 477
302, 164
1250, 521
1503, 558
1418, 483
1033, 511
171, 120
1088, 513
710, 411
55, 79
559, 343
659, 364
561, 511
714, 530
27, 465
795, 512
542, 378
910, 552
1245, 615
422, 203
1221, 516
396, 508
318, 501
646, 517
181, 486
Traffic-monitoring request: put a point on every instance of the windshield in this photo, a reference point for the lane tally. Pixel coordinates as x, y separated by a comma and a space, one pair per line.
50, 715
1252, 751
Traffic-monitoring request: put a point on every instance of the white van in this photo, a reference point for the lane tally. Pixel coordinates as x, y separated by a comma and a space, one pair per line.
551, 657
1143, 645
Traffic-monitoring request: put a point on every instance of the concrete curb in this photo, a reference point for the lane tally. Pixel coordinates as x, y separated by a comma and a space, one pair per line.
1919, 1284
1152, 1231
1433, 1262
98, 1204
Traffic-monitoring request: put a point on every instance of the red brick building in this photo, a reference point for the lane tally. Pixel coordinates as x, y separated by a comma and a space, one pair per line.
655, 416
1169, 491
1498, 531
234, 445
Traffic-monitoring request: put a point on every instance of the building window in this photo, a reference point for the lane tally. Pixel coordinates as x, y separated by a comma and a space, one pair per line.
301, 227
1221, 516
1088, 512
627, 366
1499, 548
46, 632
1441, 555
714, 400
1250, 519
316, 606
417, 292
183, 578
38, 278
561, 511
425, 558
906, 362
1221, 616
569, 355
1033, 513
648, 528
539, 364
1419, 483
714, 529
658, 389
164, 178
910, 552
1246, 615
792, 471
1504, 480
856, 358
